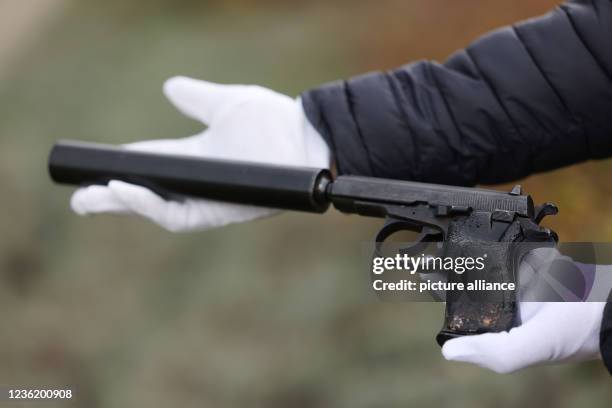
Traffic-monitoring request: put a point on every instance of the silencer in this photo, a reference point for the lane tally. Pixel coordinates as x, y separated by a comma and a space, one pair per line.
290, 188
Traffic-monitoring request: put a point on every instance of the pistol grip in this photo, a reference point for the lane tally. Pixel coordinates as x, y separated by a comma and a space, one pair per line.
470, 312
505, 244
475, 312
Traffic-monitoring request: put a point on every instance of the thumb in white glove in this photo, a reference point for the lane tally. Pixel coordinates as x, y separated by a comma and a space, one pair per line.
245, 122
551, 332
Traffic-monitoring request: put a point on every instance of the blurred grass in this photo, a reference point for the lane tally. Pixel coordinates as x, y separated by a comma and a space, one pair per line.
272, 313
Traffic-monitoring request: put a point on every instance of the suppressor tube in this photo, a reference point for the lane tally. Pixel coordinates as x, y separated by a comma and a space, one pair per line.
290, 188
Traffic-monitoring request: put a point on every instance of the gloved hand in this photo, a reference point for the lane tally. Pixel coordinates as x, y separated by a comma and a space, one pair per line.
247, 123
550, 332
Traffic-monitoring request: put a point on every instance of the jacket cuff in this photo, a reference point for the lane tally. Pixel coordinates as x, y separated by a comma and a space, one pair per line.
327, 108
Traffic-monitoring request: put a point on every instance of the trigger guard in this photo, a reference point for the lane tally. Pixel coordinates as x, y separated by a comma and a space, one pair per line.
425, 237
391, 227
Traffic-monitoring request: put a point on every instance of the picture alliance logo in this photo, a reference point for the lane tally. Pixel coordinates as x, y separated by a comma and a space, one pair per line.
427, 263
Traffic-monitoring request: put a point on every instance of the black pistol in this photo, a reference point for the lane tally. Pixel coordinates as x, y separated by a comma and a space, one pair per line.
465, 220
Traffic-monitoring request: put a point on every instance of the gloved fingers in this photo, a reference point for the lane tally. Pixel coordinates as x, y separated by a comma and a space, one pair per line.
183, 216
95, 200
146, 203
200, 100
214, 214
503, 352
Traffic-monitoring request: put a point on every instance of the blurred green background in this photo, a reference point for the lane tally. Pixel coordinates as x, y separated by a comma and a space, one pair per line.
268, 314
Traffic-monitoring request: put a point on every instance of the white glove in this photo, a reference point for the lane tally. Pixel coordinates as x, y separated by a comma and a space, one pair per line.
245, 122
550, 332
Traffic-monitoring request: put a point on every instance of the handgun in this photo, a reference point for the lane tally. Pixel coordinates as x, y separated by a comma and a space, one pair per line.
464, 220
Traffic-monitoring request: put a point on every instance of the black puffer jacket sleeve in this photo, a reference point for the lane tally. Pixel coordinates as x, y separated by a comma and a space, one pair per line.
523, 99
